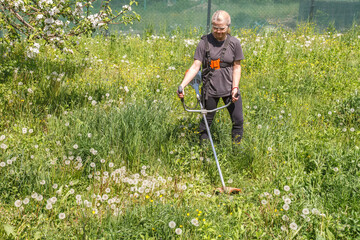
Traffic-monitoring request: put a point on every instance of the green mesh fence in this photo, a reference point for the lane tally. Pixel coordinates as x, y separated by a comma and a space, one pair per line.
168, 15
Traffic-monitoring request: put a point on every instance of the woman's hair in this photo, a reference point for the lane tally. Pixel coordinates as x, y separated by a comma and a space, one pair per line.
221, 16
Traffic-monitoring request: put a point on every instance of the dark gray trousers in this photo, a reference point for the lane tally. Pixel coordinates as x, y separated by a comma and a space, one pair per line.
236, 114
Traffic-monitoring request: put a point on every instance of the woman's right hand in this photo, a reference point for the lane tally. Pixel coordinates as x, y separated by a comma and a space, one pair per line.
180, 92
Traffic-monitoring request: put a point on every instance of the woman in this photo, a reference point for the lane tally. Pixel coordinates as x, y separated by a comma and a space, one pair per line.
219, 54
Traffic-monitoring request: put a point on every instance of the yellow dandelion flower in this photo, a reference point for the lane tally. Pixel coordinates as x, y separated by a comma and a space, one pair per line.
147, 196
188, 214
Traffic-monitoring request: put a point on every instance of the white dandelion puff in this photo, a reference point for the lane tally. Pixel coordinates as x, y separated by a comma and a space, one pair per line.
286, 207
172, 224
18, 203
287, 200
277, 192
293, 226
305, 211
195, 222
26, 201
61, 215
178, 231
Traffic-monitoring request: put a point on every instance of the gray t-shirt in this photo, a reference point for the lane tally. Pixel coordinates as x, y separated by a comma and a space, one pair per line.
221, 81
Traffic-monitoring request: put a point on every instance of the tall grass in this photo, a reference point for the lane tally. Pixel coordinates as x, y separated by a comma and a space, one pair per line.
96, 145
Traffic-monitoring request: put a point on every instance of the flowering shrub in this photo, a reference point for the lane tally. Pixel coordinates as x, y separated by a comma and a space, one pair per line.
55, 22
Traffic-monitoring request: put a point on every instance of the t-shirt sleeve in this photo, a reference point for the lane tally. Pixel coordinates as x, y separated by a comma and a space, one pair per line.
200, 51
239, 55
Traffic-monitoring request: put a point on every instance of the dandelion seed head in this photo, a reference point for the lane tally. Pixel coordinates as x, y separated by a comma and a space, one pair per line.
305, 211
285, 218
18, 203
286, 188
178, 231
39, 198
286, 207
195, 222
53, 200
293, 226
61, 215
172, 224
26, 201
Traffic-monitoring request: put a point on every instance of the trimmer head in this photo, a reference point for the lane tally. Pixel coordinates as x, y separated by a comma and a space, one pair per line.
228, 190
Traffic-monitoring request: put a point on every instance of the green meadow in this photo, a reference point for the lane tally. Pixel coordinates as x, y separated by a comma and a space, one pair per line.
96, 144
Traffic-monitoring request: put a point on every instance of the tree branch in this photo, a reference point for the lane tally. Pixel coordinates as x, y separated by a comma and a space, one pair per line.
21, 19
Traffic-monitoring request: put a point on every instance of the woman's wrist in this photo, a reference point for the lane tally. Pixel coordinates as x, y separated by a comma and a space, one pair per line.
234, 88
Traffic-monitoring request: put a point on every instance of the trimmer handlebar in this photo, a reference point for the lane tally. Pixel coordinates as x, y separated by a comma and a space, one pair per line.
202, 110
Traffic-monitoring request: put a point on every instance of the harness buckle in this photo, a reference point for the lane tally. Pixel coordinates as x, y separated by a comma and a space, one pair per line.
215, 64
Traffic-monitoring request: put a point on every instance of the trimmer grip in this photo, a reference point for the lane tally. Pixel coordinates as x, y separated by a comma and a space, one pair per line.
180, 89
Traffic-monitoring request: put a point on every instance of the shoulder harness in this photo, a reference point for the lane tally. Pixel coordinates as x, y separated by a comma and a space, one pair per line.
209, 65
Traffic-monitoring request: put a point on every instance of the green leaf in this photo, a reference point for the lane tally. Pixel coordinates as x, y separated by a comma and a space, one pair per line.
9, 229
37, 235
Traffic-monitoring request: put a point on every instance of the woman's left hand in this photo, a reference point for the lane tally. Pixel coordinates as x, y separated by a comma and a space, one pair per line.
235, 94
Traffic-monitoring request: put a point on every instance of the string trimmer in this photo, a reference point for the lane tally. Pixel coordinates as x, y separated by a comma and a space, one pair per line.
195, 83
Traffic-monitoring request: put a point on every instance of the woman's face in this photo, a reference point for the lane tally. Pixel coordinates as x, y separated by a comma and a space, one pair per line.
219, 30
